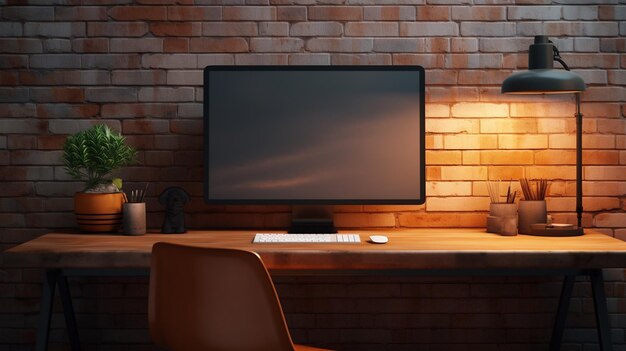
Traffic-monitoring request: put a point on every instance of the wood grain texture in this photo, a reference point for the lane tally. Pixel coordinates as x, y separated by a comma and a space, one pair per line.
406, 249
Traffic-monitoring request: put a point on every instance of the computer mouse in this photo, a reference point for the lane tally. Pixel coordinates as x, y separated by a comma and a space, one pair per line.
378, 239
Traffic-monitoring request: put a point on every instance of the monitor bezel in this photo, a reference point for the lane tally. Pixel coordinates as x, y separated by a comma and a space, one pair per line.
422, 151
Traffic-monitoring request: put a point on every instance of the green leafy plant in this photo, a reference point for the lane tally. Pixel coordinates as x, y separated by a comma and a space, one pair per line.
91, 155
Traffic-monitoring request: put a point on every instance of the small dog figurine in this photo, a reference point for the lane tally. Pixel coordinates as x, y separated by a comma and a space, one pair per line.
174, 198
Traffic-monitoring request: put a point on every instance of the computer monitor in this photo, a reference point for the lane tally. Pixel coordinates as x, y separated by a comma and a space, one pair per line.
314, 135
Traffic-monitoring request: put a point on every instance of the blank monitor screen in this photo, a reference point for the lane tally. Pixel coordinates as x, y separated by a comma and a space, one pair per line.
314, 134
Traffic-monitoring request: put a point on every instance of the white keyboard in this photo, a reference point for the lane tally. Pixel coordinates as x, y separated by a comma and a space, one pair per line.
305, 238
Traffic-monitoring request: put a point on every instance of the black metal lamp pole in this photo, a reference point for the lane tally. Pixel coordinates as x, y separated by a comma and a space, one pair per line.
542, 78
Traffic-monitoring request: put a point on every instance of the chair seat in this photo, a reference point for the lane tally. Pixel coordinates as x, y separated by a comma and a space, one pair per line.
308, 348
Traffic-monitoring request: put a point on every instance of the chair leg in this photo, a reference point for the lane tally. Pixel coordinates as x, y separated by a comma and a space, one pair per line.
561, 315
602, 314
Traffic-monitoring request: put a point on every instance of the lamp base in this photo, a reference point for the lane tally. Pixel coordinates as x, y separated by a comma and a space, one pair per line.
542, 229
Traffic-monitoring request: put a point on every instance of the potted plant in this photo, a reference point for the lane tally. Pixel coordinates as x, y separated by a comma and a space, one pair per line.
91, 156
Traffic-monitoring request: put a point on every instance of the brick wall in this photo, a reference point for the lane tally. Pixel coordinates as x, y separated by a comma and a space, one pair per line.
65, 65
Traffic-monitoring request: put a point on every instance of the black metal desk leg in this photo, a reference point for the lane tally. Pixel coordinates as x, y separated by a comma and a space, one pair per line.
45, 313
68, 312
602, 314
561, 314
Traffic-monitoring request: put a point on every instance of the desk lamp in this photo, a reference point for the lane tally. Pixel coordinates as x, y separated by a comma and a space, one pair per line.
542, 78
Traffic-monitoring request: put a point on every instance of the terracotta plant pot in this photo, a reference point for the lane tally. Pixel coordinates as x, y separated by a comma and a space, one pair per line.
99, 212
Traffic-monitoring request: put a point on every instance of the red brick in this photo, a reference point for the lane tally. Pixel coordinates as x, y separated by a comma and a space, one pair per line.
433, 13
447, 94
466, 45
186, 78
274, 29
188, 158
65, 77
54, 29
371, 29
136, 45
80, 13
425, 60
8, 78
158, 158
615, 220
487, 29
22, 45
215, 59
50, 142
582, 60
28, 142
449, 188
316, 29
50, 220
428, 29
442, 220
339, 45
57, 94
453, 125
28, 13
111, 94
67, 110
603, 94
309, 59
261, 59
175, 29
194, 13
276, 45
230, 29
218, 45
336, 13
166, 94
145, 127
19, 157
111, 61
480, 13
176, 61
116, 29
249, 13
14, 61
133, 13
138, 77
479, 61
291, 13
190, 127
90, 45
389, 13
54, 61
175, 45
166, 2
360, 59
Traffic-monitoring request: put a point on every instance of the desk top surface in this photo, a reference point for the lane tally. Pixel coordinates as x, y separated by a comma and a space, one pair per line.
407, 249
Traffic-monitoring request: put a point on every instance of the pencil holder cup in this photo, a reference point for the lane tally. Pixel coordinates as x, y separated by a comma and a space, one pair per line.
502, 218
134, 219
529, 213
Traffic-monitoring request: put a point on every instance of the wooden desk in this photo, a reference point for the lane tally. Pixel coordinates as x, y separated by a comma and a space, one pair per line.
433, 251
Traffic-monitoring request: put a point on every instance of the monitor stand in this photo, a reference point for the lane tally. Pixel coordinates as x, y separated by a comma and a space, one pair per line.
312, 219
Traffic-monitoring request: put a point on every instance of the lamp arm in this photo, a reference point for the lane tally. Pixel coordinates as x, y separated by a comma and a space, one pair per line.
557, 57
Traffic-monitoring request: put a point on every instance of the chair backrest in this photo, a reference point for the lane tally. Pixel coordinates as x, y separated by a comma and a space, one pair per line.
213, 299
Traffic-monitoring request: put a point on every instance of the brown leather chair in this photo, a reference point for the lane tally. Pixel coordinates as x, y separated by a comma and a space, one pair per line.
214, 299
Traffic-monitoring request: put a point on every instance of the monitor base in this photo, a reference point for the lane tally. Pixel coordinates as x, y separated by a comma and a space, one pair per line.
312, 219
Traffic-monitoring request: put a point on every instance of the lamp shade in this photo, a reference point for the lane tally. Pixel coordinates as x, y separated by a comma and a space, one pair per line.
541, 77
543, 81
